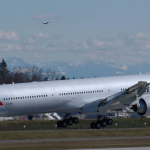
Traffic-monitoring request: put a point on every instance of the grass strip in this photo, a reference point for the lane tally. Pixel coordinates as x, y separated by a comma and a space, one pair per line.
83, 124
73, 134
77, 144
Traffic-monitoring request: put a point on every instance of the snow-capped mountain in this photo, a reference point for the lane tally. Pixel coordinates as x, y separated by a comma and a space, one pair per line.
86, 69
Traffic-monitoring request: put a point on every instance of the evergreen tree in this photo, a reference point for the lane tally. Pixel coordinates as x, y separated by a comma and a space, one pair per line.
63, 78
3, 69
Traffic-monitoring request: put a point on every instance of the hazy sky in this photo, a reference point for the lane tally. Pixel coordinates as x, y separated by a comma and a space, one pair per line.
78, 30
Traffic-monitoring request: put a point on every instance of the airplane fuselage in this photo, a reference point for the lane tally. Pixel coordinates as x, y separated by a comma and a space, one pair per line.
65, 96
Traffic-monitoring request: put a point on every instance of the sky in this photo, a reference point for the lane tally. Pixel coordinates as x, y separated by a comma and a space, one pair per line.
78, 30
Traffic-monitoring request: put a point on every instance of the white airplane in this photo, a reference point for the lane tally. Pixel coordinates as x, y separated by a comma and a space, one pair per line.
91, 95
45, 22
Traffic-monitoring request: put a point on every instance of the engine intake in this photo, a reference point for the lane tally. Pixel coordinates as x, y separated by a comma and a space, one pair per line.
141, 109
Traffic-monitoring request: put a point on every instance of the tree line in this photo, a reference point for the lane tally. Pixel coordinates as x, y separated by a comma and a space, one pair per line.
28, 74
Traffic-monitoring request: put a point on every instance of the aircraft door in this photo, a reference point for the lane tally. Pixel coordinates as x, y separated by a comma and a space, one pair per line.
109, 90
56, 99
53, 95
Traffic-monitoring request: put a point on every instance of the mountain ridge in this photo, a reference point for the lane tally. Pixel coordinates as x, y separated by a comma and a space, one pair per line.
86, 69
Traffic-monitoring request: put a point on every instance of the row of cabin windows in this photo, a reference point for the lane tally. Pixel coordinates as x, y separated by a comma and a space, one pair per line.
24, 97
123, 89
80, 92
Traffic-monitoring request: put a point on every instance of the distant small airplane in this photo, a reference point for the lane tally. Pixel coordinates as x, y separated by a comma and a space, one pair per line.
45, 22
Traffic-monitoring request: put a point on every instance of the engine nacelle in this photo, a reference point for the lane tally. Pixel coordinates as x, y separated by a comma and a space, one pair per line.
143, 108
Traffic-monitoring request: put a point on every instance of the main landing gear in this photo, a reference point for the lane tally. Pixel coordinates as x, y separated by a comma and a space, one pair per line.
101, 123
69, 122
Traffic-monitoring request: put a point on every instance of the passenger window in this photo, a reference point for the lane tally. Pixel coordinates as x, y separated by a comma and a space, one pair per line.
4, 98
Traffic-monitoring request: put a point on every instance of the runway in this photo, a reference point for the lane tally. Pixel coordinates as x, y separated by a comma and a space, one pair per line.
128, 148
74, 139
66, 129
63, 137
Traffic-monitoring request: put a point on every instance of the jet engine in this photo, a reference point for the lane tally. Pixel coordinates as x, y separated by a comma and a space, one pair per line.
143, 107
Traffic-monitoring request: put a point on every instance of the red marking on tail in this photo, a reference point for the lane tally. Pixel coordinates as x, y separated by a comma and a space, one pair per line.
1, 103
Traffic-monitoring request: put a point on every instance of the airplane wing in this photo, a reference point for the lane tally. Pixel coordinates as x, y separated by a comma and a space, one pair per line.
124, 98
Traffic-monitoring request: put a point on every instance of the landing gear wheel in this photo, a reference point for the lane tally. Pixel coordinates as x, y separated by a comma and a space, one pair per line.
59, 123
75, 120
98, 125
93, 125
109, 121
70, 121
99, 121
104, 123
64, 123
